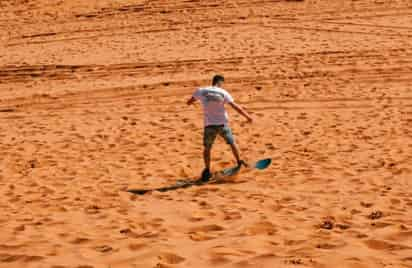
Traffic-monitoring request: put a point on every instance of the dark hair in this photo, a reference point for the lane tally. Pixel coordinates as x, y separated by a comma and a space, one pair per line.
217, 78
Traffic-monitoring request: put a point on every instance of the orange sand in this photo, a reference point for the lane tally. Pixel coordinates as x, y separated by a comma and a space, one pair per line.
92, 101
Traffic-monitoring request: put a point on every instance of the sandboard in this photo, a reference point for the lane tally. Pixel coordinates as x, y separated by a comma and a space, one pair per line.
216, 177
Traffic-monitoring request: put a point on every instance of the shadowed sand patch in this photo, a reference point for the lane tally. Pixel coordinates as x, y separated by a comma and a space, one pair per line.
328, 245
11, 247
80, 240
137, 246
206, 228
19, 258
383, 245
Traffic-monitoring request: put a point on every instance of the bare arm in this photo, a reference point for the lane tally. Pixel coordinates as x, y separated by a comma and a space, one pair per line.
241, 111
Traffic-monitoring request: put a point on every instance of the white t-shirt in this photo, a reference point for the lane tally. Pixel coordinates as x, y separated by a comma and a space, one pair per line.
213, 100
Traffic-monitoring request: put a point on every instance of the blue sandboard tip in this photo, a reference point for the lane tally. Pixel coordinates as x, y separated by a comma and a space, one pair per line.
264, 163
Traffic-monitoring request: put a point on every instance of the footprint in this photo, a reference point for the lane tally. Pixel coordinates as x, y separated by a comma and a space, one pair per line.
383, 245
327, 224
201, 237
400, 236
195, 219
136, 246
22, 258
407, 259
103, 248
219, 260
233, 215
206, 228
259, 228
294, 242
128, 232
11, 247
375, 215
329, 246
80, 240
171, 258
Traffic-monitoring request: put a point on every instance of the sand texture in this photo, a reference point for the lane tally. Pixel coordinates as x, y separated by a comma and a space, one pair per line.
92, 102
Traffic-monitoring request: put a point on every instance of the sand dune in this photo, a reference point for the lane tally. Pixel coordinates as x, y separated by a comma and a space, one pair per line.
92, 102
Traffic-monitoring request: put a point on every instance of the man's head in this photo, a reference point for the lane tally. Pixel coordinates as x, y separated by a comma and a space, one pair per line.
218, 81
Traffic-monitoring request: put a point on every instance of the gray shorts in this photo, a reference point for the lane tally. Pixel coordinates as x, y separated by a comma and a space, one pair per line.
211, 132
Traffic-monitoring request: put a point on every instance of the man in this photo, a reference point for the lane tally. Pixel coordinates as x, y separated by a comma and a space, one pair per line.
213, 100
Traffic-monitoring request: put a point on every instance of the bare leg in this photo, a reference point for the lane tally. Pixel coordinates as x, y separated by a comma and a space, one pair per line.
235, 152
206, 157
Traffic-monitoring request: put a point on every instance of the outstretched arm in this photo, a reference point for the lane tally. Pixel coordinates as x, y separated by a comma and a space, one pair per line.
241, 111
191, 100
